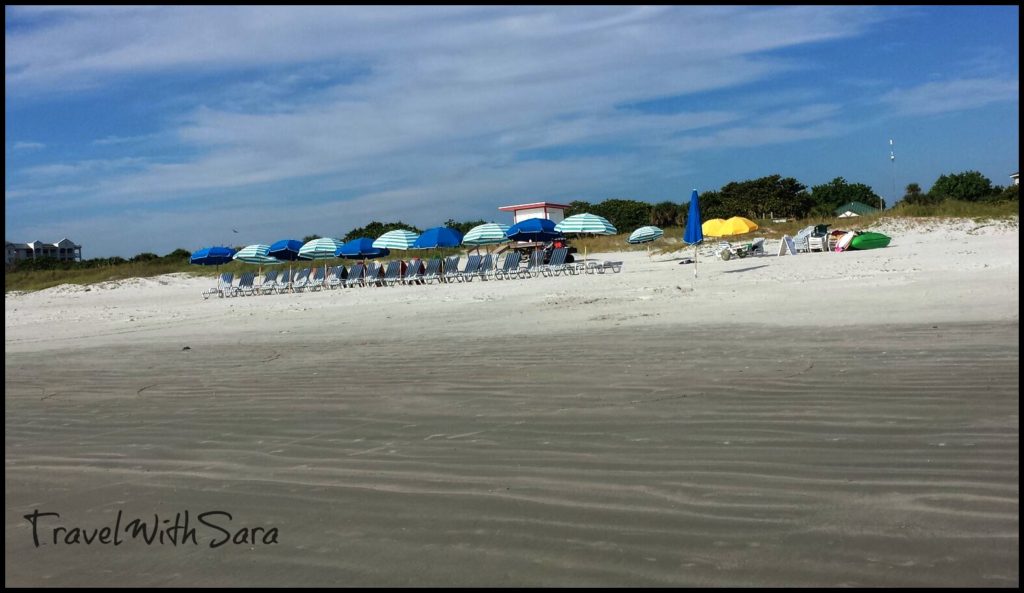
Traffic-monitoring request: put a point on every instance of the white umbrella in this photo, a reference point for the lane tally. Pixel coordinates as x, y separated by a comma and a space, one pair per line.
586, 223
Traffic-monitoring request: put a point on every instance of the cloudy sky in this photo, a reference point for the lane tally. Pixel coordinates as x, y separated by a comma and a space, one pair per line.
152, 128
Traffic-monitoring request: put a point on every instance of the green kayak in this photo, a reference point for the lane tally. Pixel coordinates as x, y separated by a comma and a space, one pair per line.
869, 241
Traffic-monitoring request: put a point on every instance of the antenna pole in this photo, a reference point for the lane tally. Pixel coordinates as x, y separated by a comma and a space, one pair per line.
892, 159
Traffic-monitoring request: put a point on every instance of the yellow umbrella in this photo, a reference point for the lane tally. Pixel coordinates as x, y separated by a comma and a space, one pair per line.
737, 225
711, 227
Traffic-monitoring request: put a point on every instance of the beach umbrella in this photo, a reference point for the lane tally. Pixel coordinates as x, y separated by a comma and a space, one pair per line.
491, 233
533, 229
400, 239
436, 237
286, 250
737, 225
212, 256
586, 223
397, 239
256, 254
323, 248
361, 248
712, 227
694, 232
645, 234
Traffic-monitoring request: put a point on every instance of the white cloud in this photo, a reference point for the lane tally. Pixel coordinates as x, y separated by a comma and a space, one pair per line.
951, 95
407, 112
27, 146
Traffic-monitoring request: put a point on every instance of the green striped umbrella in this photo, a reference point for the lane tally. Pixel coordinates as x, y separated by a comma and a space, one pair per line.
645, 234
322, 248
400, 239
257, 254
491, 233
586, 223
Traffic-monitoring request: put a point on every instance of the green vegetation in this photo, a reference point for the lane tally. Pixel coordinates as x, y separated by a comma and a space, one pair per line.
961, 195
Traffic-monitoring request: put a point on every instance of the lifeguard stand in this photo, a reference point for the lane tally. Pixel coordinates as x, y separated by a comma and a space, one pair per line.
548, 210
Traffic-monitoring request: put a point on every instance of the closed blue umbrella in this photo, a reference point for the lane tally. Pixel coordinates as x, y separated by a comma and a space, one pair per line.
694, 234
534, 229
361, 248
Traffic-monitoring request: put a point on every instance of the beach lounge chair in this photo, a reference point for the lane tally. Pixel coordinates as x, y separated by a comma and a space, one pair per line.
336, 277
756, 247
450, 270
223, 285
510, 267
433, 271
802, 238
373, 274
556, 265
536, 263
268, 283
301, 280
485, 268
466, 274
246, 285
413, 272
355, 275
284, 281
393, 274
319, 276
603, 266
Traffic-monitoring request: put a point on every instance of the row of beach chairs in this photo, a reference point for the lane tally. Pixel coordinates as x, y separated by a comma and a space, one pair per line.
484, 267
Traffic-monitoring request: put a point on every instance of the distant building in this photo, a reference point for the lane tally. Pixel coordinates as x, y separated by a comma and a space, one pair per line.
854, 209
1016, 178
63, 250
549, 210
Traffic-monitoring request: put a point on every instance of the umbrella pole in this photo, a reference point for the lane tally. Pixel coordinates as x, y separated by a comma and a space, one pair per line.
694, 261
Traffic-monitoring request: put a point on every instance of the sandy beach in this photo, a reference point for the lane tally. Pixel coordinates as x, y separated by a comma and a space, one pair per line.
823, 419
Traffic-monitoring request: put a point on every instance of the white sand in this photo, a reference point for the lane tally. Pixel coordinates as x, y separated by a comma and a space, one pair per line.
932, 272
762, 425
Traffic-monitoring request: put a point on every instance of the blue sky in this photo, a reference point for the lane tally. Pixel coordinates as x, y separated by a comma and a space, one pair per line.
132, 129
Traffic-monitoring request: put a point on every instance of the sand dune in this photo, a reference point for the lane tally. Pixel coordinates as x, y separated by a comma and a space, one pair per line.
825, 419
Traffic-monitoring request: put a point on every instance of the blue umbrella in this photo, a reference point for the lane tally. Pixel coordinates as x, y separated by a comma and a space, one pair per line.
212, 256
534, 229
287, 250
440, 236
694, 234
361, 248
